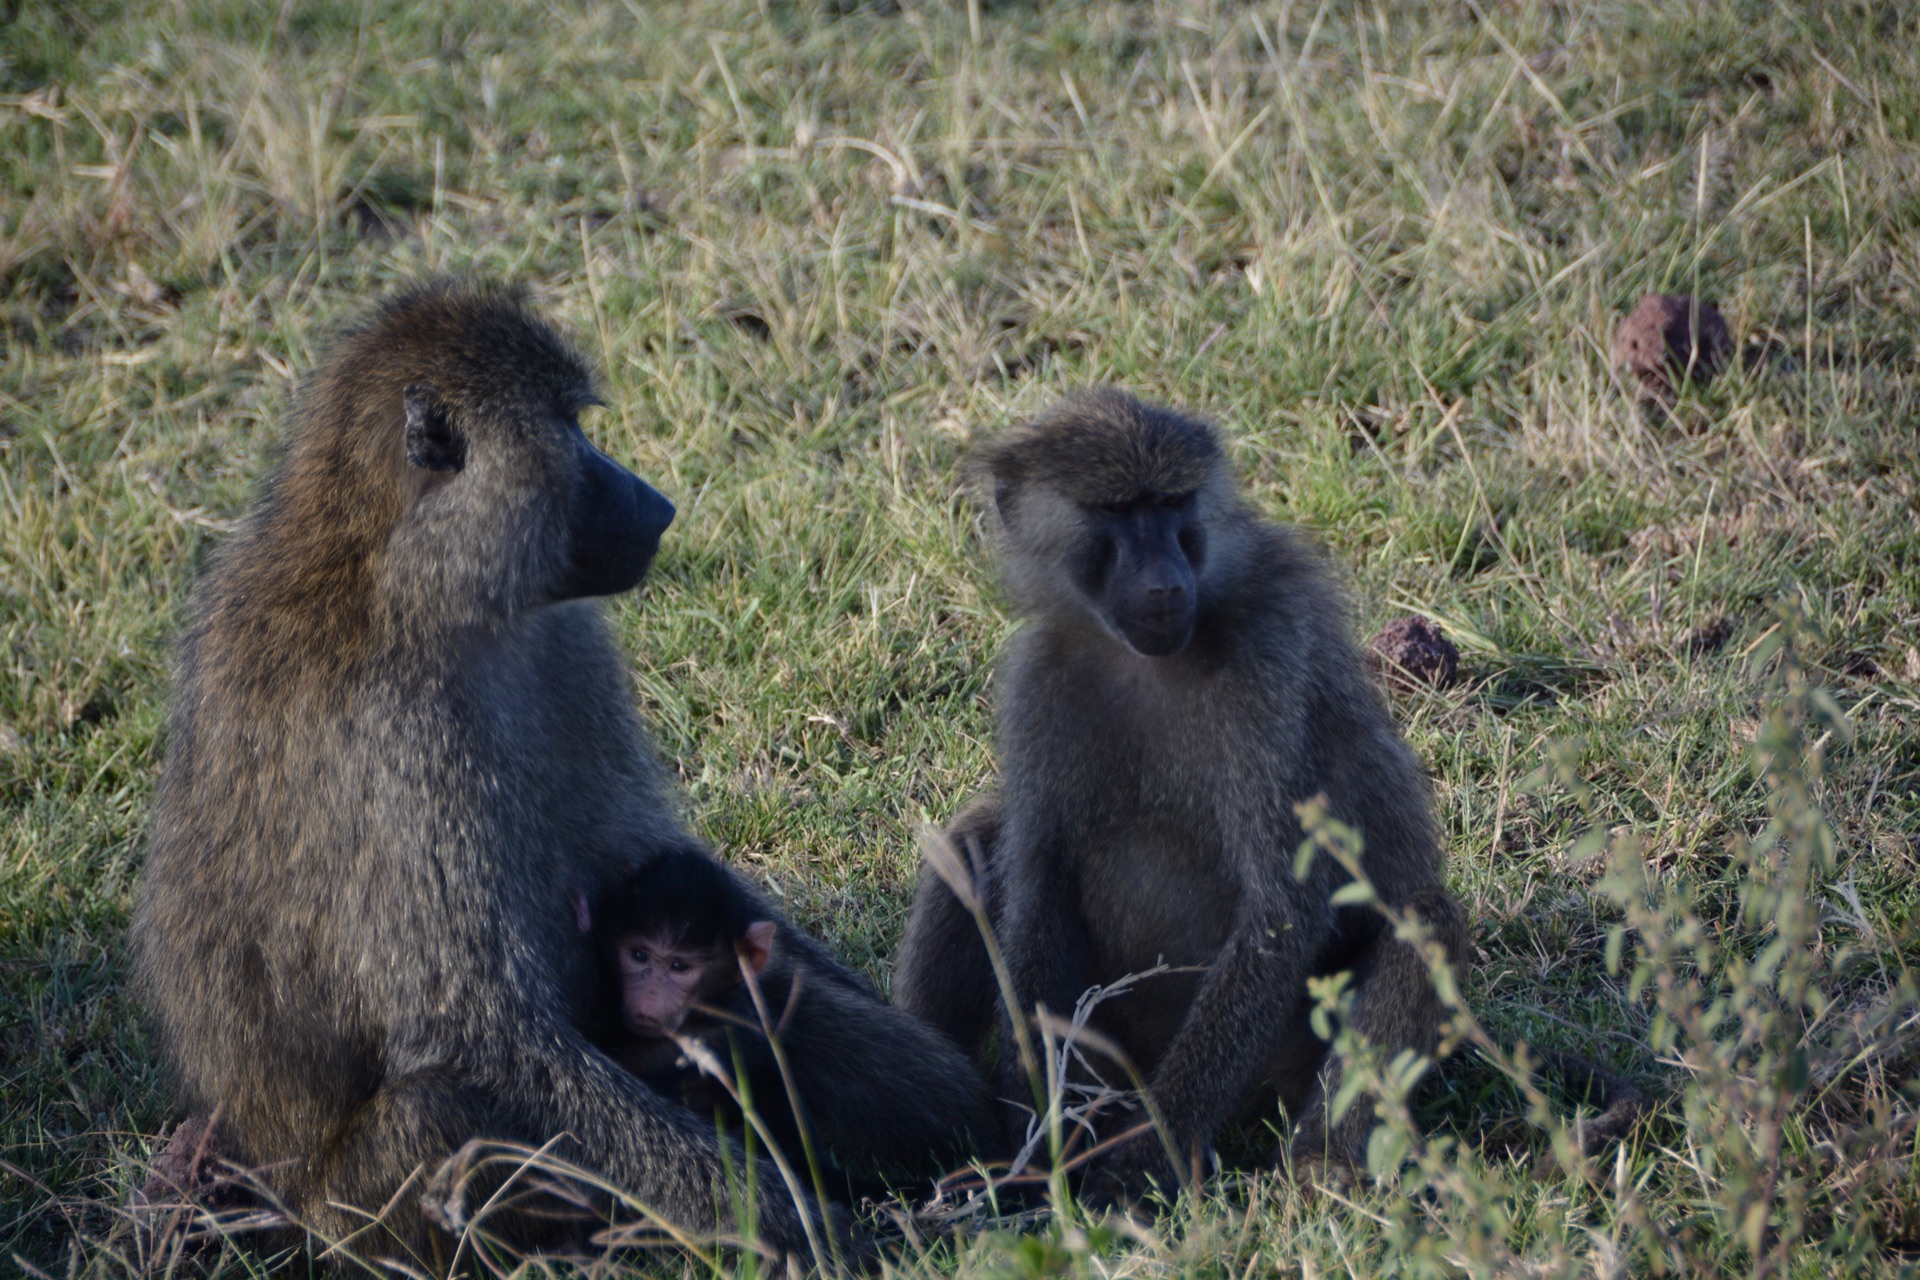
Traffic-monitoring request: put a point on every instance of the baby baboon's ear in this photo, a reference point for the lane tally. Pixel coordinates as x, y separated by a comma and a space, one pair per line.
756, 946
433, 442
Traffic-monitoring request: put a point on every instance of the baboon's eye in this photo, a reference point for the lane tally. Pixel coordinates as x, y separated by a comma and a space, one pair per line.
1194, 543
1174, 501
1123, 508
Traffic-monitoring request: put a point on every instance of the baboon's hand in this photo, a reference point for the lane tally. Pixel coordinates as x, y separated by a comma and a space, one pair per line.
1128, 1171
859, 1252
1323, 1173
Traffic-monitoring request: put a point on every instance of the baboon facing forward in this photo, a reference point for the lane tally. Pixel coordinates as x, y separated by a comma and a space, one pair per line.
1183, 680
402, 745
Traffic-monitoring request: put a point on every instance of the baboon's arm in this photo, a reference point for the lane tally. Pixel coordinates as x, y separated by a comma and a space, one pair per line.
1375, 784
1044, 940
1249, 999
653, 1149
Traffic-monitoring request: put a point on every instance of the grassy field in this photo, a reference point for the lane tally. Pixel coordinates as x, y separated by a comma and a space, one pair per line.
815, 248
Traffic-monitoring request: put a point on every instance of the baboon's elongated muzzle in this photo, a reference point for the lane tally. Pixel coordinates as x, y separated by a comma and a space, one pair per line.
1151, 593
617, 522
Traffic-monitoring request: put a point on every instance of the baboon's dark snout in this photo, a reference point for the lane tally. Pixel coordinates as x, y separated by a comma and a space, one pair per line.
617, 522
655, 512
1157, 619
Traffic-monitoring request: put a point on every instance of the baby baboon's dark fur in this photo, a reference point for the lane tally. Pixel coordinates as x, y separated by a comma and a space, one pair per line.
402, 741
884, 1097
686, 916
1185, 678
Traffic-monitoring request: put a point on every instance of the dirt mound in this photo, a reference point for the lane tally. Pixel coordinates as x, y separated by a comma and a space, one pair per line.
1412, 653
1668, 338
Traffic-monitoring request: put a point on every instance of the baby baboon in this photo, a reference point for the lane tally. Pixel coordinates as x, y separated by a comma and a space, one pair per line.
1185, 678
678, 941
402, 738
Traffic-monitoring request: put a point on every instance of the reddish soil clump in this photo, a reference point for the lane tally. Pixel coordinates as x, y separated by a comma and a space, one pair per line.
189, 1169
1412, 653
1667, 339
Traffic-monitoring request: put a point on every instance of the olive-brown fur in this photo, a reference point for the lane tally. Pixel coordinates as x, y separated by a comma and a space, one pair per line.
1145, 809
398, 749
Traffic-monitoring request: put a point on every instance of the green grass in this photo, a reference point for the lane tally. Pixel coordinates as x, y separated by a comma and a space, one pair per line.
814, 248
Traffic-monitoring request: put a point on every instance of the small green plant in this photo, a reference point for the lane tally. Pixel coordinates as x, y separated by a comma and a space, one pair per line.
1790, 1023
1783, 1018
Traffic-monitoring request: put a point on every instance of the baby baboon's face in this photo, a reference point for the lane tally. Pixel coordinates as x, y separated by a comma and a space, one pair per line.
663, 979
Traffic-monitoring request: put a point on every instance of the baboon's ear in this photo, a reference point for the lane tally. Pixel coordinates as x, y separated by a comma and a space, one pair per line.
1002, 495
756, 946
433, 442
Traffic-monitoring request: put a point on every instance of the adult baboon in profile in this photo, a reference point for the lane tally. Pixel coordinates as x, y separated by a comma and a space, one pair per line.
1184, 679
402, 744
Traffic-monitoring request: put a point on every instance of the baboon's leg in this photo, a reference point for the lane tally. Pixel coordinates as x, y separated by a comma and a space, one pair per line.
1395, 1006
397, 1139
943, 975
